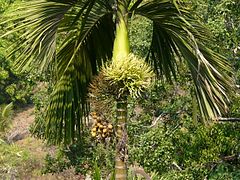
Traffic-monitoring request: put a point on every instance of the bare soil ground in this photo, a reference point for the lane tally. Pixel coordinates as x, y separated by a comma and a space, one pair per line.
23, 119
38, 150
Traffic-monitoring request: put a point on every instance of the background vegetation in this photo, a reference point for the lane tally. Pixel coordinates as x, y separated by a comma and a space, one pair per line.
167, 136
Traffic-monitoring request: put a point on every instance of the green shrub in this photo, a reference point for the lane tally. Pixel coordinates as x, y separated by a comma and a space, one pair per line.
154, 150
40, 100
198, 151
83, 157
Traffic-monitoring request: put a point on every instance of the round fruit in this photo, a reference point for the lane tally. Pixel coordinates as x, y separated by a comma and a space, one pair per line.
93, 134
119, 131
110, 126
94, 116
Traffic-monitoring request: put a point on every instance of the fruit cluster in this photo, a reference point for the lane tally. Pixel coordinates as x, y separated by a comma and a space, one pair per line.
101, 129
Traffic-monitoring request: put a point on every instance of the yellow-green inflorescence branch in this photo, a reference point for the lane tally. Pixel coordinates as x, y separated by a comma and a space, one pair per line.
131, 76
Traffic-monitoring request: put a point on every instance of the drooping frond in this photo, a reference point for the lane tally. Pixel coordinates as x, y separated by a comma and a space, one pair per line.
39, 21
83, 51
87, 39
85, 30
66, 112
177, 35
161, 51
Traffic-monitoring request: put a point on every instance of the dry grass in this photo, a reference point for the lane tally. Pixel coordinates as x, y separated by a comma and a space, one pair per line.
24, 158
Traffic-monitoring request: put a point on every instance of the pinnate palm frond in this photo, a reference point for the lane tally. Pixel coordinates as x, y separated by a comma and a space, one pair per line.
68, 105
79, 58
39, 21
95, 27
86, 33
66, 113
177, 35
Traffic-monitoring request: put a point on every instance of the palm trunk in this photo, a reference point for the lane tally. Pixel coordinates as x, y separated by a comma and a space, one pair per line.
120, 52
121, 148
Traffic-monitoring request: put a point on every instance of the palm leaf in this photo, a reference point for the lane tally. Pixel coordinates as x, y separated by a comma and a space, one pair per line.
177, 35
39, 20
96, 27
162, 48
76, 56
79, 58
66, 111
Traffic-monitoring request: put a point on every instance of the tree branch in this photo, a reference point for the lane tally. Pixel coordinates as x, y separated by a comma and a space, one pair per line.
231, 119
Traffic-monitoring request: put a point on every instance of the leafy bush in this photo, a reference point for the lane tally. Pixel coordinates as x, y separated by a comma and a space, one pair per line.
165, 139
140, 35
83, 157
195, 152
14, 86
40, 100
154, 150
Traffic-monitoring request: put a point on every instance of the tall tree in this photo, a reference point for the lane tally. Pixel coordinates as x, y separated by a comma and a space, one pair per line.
74, 37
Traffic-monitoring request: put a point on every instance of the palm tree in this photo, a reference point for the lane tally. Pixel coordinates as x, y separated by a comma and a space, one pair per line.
72, 38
